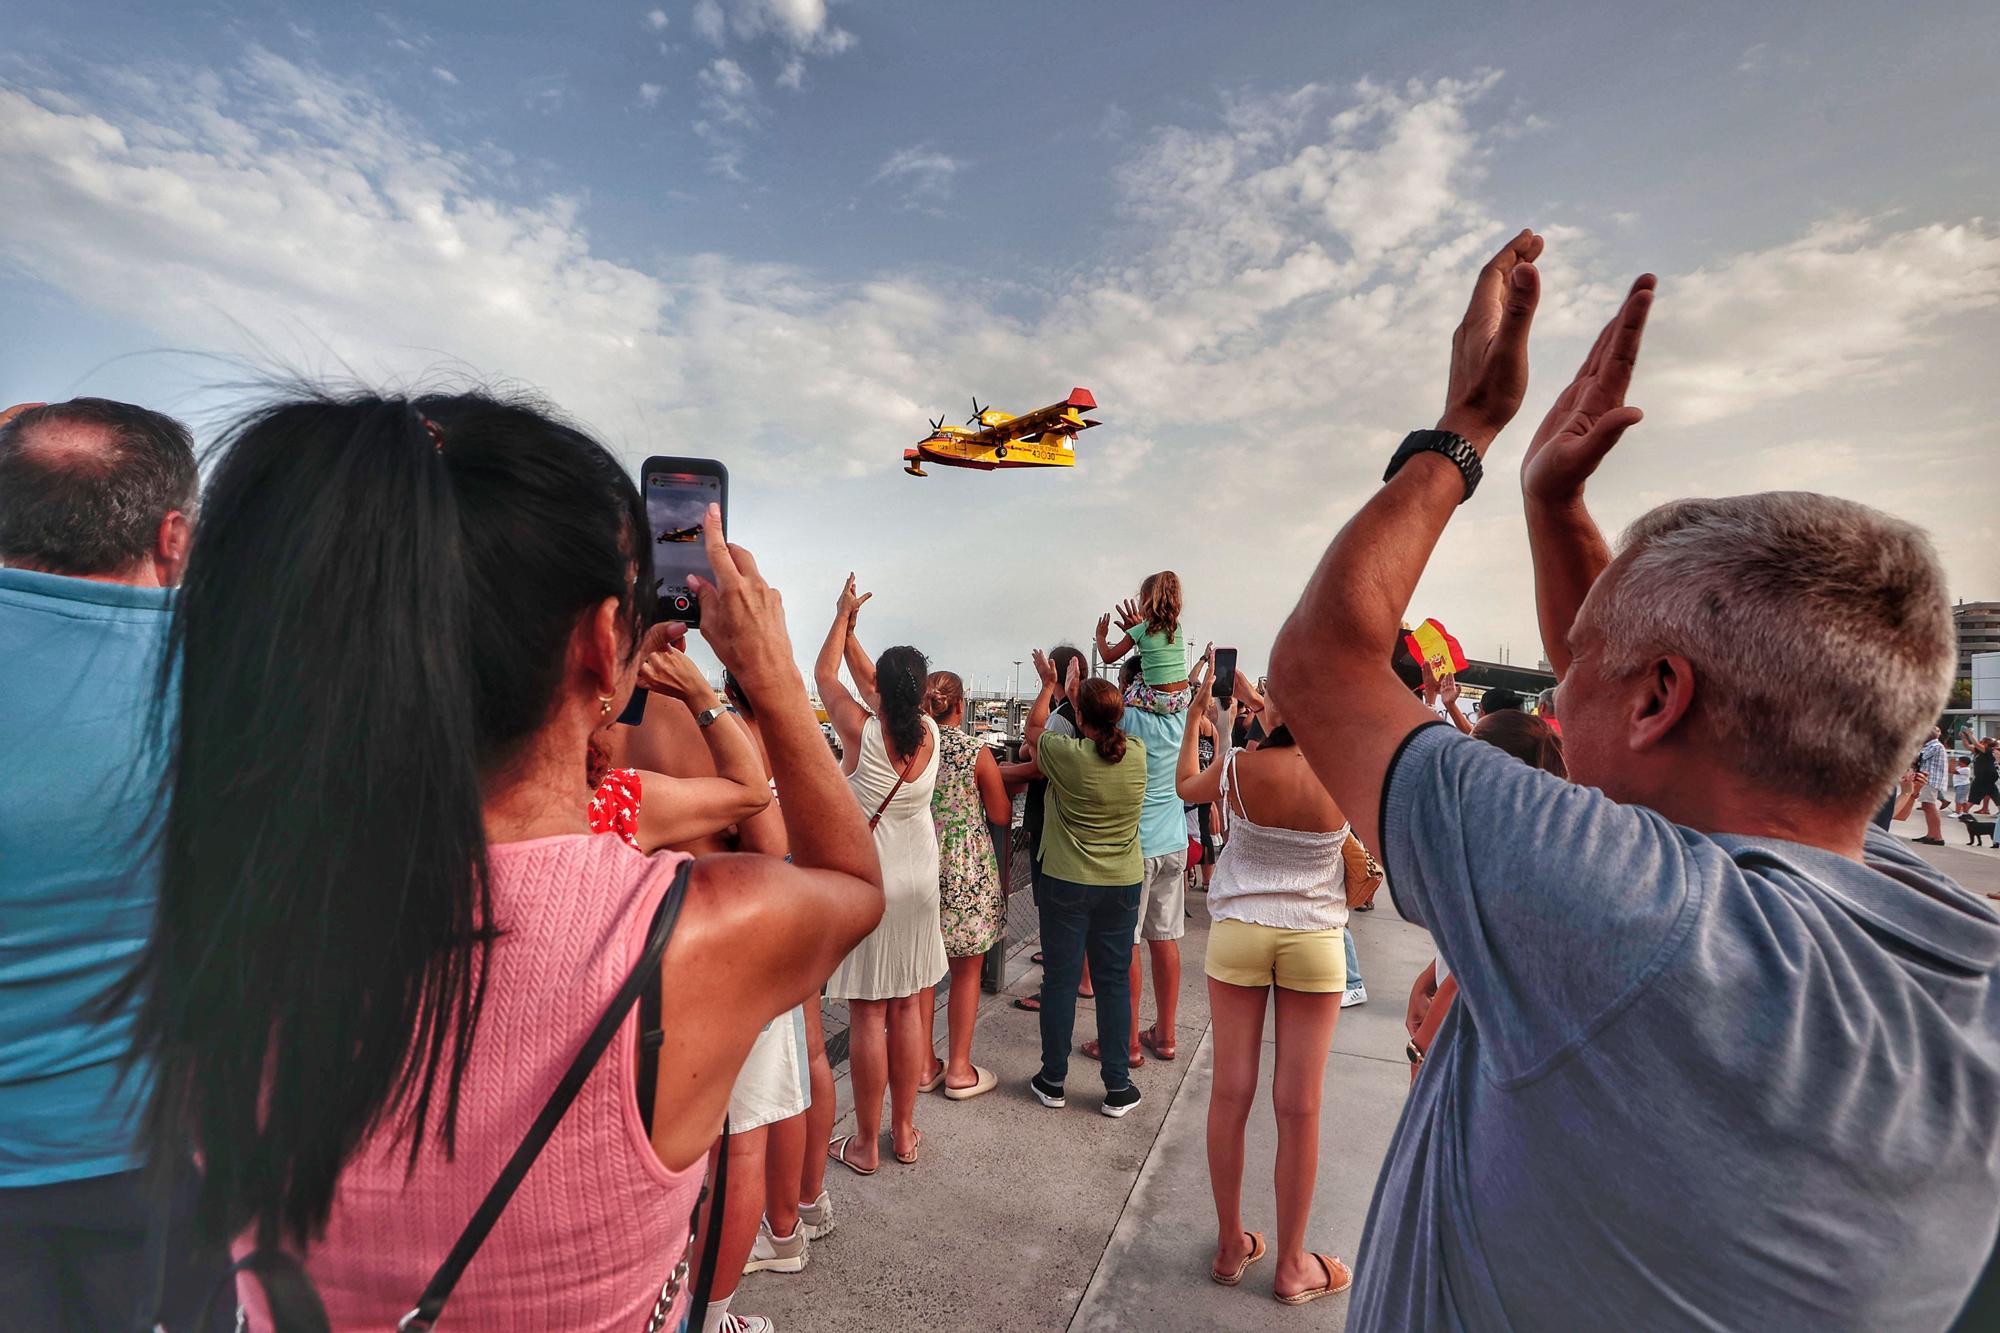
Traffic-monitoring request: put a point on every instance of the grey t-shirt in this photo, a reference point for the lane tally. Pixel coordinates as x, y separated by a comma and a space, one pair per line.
1689, 1082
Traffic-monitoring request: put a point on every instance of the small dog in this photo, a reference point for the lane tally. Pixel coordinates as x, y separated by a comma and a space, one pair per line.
1977, 830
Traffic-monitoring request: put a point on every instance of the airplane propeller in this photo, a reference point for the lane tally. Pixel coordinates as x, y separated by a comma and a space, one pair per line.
937, 425
977, 412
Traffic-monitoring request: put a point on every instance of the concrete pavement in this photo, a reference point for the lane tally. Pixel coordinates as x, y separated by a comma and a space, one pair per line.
1020, 1217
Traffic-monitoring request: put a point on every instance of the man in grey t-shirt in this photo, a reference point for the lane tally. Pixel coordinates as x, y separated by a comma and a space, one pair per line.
1722, 1057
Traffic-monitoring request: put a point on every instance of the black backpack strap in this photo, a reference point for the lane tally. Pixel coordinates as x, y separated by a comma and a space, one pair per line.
652, 1034
704, 1282
644, 976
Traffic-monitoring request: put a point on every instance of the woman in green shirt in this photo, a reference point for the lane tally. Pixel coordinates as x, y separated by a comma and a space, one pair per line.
1091, 873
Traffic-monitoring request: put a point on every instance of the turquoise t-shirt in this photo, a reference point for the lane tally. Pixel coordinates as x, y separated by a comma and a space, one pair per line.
1163, 819
79, 664
1162, 657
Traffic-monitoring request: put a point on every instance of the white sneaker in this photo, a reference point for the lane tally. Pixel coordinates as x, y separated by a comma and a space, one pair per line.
746, 1323
772, 1254
816, 1218
1355, 995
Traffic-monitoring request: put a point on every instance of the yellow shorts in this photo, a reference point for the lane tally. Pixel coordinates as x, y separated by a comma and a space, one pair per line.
1303, 960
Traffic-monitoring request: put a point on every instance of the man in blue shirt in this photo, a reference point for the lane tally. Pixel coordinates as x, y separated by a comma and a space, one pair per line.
1163, 841
96, 503
1722, 1056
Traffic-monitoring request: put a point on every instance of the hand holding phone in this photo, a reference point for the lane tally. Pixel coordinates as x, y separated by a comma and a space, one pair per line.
678, 493
1225, 675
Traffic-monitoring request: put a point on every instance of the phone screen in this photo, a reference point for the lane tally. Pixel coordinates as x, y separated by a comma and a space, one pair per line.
675, 504
1225, 674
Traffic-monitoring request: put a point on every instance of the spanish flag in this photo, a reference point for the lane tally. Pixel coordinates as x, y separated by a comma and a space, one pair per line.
1431, 642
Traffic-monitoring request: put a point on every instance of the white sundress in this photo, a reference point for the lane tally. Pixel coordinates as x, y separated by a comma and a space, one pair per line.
905, 951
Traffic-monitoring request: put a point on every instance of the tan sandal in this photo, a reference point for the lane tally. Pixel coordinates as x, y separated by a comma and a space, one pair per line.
985, 1082
837, 1150
1256, 1253
1338, 1279
911, 1160
935, 1081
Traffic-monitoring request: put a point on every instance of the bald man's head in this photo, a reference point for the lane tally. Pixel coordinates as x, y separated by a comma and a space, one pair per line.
91, 488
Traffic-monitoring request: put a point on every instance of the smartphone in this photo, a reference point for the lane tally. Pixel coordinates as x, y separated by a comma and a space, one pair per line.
1225, 675
678, 493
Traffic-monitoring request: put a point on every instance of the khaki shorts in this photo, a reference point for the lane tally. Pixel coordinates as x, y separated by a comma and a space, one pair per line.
1242, 954
773, 1084
1163, 900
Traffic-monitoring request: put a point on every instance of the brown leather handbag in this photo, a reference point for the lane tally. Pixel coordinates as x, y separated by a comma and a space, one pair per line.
1364, 873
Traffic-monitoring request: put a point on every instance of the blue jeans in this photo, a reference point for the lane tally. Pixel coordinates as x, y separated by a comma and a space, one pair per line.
1353, 960
1100, 919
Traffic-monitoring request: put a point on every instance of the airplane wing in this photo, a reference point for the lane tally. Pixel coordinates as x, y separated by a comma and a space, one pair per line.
1031, 424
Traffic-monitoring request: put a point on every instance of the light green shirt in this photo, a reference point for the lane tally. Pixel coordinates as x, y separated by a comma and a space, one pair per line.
1091, 835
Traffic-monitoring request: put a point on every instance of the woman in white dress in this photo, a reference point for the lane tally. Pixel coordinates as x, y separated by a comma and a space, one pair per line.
891, 762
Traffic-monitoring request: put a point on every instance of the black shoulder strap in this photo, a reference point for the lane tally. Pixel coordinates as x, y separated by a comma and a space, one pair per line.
644, 976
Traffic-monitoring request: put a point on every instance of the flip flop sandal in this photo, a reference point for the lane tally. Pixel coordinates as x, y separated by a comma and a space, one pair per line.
1028, 1003
1037, 957
837, 1150
934, 1082
1334, 1285
1256, 1253
985, 1083
1092, 1051
1149, 1039
911, 1160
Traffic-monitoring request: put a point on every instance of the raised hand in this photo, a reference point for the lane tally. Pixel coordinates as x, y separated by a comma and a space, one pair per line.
1590, 415
1044, 668
1489, 352
1128, 614
670, 671
1200, 678
849, 604
1104, 627
1448, 691
742, 616
1075, 680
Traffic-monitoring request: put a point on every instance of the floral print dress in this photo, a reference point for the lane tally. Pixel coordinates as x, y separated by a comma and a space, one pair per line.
970, 904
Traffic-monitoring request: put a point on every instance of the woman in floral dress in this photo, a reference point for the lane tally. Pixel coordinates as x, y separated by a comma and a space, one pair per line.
969, 793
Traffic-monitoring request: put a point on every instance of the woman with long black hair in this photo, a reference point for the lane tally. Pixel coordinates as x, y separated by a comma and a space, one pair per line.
891, 766
385, 927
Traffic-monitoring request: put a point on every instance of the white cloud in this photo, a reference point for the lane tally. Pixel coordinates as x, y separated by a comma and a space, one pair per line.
444, 75
1272, 316
649, 94
793, 29
802, 25
656, 19
731, 109
1841, 308
709, 21
920, 175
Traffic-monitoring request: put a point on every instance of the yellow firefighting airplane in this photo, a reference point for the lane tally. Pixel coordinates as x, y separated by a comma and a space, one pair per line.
990, 438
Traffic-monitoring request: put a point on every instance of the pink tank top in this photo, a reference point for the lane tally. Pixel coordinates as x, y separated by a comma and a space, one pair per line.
598, 1224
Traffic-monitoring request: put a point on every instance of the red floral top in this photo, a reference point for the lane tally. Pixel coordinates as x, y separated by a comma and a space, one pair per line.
615, 807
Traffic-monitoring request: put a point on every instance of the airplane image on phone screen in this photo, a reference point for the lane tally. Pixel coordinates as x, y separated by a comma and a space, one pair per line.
675, 504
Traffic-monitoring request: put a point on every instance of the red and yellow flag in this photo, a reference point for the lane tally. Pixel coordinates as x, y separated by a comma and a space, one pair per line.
1431, 642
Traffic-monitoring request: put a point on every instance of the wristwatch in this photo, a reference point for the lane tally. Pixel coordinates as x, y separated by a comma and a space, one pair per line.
1454, 447
706, 717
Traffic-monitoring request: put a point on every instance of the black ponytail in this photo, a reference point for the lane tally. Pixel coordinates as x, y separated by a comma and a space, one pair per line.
900, 674
375, 619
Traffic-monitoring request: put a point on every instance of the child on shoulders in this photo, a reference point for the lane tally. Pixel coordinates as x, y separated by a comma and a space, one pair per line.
1152, 624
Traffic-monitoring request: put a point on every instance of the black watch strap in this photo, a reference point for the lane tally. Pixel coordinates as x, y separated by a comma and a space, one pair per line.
1454, 447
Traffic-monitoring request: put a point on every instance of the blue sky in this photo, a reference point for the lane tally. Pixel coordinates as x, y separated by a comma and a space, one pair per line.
784, 232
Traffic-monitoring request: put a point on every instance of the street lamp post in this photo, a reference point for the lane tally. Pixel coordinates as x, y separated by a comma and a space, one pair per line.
1016, 691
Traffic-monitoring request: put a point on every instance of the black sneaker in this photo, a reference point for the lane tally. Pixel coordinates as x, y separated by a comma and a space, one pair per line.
1050, 1093
1119, 1102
